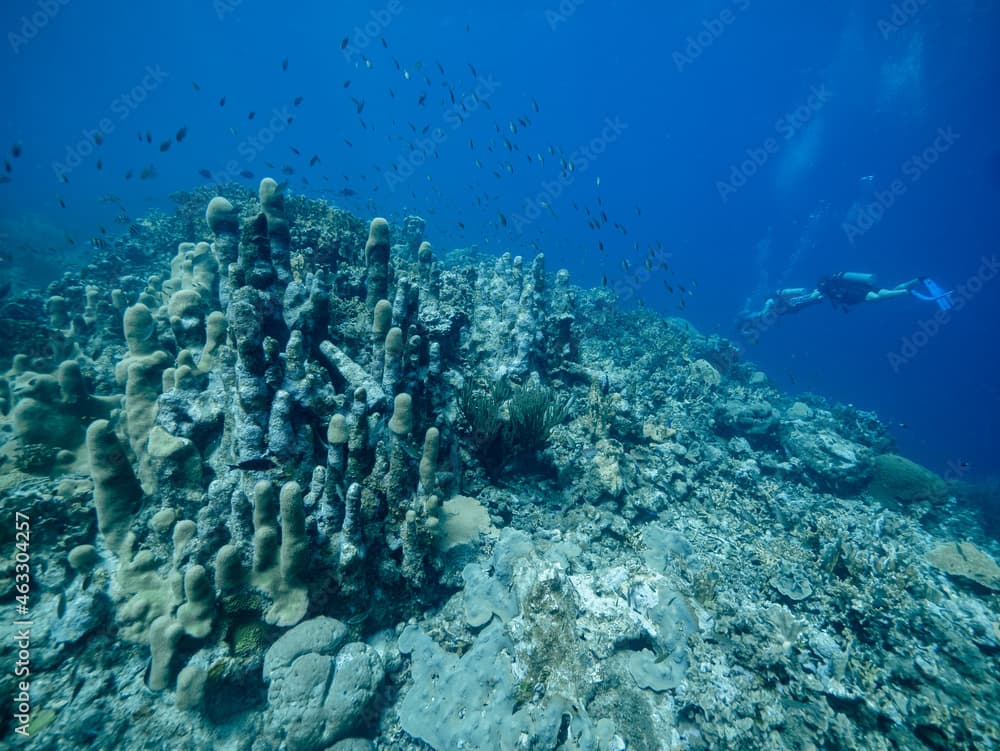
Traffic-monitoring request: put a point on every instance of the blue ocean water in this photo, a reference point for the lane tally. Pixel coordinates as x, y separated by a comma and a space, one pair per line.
719, 150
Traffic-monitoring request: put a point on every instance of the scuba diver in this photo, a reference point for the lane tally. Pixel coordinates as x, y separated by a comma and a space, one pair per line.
844, 290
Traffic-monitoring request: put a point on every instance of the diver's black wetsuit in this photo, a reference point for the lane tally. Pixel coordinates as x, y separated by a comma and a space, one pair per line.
843, 293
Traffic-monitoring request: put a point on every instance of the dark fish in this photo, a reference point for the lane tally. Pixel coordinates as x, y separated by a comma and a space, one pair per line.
128, 175
348, 192
288, 170
98, 242
347, 83
222, 102
295, 151
473, 69
251, 115
314, 161
195, 86
61, 202
284, 64
359, 104
297, 101
290, 119
348, 143
605, 385
15, 150
122, 219
149, 136
98, 138
165, 145
148, 173
133, 229
344, 42
423, 99
385, 43
247, 174
604, 280
503, 219
534, 104
254, 465
181, 134
461, 226
207, 174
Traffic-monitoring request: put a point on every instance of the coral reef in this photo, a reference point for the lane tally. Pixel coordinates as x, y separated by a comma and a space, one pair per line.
300, 484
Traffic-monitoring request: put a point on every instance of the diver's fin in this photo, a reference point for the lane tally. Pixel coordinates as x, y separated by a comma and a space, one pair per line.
937, 294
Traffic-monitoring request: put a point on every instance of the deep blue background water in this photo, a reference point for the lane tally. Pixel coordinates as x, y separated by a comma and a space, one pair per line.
695, 91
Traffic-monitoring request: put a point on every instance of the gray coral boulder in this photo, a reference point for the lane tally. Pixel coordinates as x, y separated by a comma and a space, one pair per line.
319, 690
833, 463
756, 421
